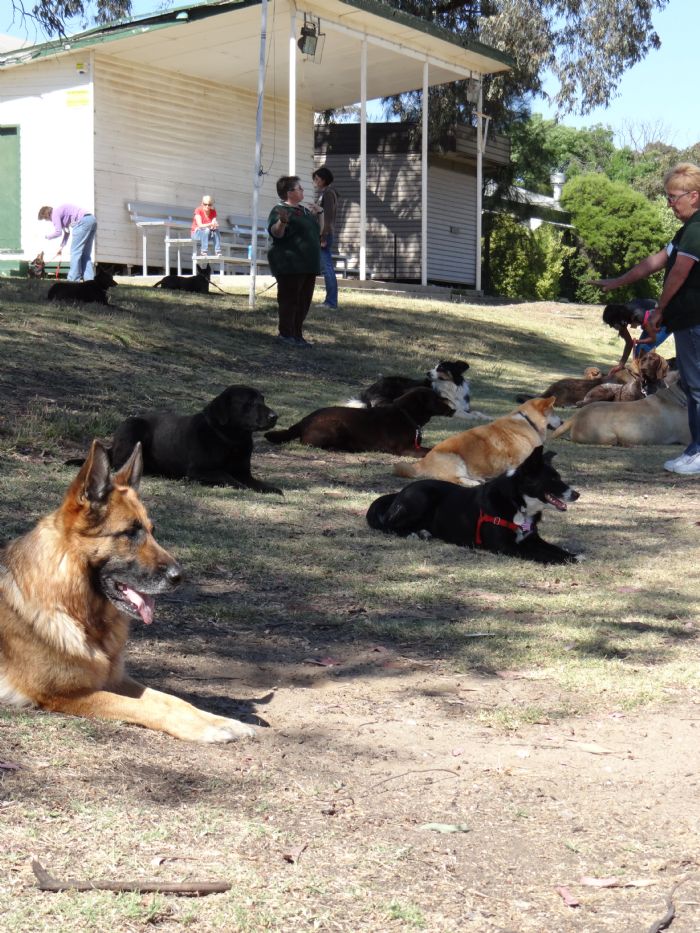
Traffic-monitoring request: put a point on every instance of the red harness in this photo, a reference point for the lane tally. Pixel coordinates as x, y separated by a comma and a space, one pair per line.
501, 522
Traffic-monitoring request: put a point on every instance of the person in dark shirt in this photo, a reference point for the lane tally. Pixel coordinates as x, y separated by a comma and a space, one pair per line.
294, 256
678, 307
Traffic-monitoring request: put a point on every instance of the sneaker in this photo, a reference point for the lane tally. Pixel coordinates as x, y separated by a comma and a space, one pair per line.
217, 255
689, 466
671, 465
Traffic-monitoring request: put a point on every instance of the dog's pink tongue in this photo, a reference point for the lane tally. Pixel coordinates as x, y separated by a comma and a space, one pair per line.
144, 604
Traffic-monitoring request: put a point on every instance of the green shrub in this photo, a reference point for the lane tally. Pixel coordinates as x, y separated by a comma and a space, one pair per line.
616, 227
526, 263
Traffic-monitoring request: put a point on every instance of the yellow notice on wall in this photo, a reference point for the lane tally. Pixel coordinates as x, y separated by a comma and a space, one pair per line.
78, 97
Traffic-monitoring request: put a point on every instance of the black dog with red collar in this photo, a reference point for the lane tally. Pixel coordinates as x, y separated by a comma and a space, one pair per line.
500, 516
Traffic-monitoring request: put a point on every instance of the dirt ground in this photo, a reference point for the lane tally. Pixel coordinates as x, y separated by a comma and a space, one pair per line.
386, 790
372, 776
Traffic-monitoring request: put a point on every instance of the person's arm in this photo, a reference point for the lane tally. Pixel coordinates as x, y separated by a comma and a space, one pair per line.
330, 203
279, 228
674, 280
654, 263
629, 344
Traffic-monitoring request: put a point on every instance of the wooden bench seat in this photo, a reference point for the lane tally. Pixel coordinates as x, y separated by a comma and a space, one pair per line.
175, 223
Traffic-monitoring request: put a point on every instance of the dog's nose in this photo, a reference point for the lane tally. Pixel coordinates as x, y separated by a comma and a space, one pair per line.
173, 574
575, 495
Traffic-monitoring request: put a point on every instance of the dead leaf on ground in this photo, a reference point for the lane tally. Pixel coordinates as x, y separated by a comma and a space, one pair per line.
592, 748
323, 662
10, 766
614, 882
567, 896
292, 855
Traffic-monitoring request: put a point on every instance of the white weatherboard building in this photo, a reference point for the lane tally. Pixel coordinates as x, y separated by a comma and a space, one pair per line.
162, 108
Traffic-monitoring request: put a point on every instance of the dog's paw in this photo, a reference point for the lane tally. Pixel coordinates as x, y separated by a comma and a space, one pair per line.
227, 730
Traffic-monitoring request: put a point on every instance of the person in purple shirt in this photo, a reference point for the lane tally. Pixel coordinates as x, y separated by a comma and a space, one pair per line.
71, 221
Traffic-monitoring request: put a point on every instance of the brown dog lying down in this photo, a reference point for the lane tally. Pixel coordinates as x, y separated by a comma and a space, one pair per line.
394, 429
657, 419
649, 372
488, 450
568, 392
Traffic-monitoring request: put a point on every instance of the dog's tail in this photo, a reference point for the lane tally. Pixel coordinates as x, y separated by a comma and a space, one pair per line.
156, 284
407, 469
377, 512
562, 429
281, 437
355, 403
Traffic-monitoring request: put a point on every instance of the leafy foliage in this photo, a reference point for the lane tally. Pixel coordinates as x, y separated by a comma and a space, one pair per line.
616, 228
586, 45
53, 16
526, 263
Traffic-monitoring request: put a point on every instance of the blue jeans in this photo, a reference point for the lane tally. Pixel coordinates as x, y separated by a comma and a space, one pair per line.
328, 272
688, 358
201, 237
82, 236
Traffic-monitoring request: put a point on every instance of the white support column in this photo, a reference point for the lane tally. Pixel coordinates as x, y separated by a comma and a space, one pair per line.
363, 162
257, 168
479, 181
424, 182
292, 160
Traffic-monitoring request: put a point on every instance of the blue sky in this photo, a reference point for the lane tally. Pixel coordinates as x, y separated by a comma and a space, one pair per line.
657, 93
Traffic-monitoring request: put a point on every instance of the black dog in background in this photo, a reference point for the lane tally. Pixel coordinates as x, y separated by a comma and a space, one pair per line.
212, 447
500, 516
92, 290
198, 283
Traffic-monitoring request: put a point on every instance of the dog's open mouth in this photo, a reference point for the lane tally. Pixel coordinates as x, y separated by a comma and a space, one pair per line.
138, 605
558, 504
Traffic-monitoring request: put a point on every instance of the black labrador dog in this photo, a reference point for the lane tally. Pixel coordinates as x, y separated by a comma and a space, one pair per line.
198, 283
394, 429
500, 516
91, 290
212, 447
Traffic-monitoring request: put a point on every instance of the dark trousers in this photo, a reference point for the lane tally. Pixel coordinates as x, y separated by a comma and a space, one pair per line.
294, 295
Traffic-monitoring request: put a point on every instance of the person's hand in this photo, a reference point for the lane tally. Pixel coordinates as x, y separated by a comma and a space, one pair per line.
315, 209
324, 242
615, 369
58, 254
606, 285
214, 224
283, 215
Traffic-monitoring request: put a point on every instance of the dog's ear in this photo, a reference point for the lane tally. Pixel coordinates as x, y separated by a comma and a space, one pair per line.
218, 411
545, 404
94, 483
549, 456
132, 471
534, 461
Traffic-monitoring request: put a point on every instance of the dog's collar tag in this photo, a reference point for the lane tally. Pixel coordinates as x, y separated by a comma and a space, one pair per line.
527, 526
418, 439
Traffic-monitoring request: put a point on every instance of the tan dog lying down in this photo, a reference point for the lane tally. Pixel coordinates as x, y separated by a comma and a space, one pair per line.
648, 374
658, 419
481, 453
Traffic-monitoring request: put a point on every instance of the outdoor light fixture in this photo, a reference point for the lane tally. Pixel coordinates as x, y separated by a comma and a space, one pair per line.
308, 39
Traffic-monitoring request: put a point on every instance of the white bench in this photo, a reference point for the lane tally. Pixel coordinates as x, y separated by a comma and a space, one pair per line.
176, 222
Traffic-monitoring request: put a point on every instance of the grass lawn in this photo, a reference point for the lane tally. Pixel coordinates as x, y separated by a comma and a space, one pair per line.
396, 682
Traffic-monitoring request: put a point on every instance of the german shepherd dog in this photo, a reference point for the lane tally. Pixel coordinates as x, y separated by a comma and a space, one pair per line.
90, 290
37, 267
199, 282
500, 516
68, 589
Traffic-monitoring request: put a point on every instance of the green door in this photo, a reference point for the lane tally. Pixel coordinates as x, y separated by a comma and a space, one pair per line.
10, 238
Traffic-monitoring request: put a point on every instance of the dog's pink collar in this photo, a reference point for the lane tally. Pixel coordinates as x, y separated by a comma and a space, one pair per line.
525, 527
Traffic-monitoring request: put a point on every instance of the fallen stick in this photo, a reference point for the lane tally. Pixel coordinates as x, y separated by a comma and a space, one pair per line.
46, 882
665, 922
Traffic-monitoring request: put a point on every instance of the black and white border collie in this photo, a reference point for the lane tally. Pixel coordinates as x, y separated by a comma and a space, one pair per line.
447, 379
501, 516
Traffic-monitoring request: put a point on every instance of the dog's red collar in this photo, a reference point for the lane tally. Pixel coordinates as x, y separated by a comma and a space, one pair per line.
501, 522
